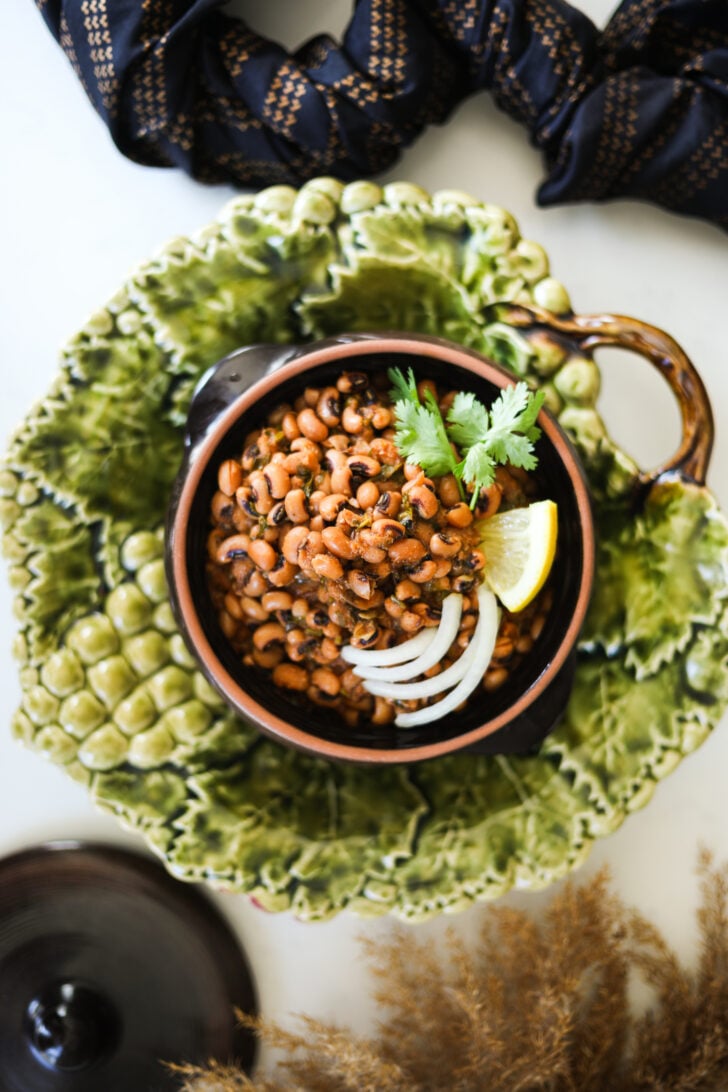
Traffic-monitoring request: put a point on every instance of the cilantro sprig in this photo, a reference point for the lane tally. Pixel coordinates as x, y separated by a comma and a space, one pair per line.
505, 434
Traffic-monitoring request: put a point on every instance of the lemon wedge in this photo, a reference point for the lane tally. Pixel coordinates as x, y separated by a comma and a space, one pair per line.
519, 547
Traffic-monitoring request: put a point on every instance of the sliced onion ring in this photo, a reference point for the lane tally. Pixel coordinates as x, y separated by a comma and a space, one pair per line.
445, 634
423, 688
483, 641
372, 657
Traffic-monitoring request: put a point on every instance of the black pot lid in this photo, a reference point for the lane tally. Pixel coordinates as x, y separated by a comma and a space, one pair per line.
108, 968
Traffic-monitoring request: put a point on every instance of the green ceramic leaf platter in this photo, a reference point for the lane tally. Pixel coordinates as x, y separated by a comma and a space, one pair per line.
109, 689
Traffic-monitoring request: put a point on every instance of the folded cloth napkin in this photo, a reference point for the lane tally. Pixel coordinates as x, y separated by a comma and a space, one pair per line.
640, 109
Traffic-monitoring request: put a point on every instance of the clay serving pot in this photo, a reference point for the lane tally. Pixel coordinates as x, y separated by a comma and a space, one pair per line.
235, 396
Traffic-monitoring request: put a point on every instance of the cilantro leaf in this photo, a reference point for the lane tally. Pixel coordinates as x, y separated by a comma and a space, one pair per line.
515, 410
467, 420
404, 390
478, 469
419, 438
505, 435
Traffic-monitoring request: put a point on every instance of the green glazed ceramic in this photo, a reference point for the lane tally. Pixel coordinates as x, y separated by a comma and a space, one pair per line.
109, 689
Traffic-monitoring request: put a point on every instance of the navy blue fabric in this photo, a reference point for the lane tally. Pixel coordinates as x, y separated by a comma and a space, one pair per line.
639, 109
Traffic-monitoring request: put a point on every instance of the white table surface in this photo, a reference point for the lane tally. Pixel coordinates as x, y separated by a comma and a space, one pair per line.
77, 217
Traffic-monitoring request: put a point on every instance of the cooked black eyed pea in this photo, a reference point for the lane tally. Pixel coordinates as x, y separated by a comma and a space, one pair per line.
292, 542
408, 551
425, 385
327, 567
335, 457
459, 515
373, 555
228, 625
296, 507
250, 456
383, 712
282, 573
352, 381
341, 480
260, 494
411, 622
495, 677
385, 532
215, 539
233, 546
232, 606
289, 426
312, 426
360, 584
448, 490
246, 500
445, 544
254, 609
394, 608
365, 634
325, 652
302, 463
381, 417
537, 626
326, 680
229, 476
340, 615
277, 600
490, 499
334, 632
315, 499
389, 503
330, 506
222, 507
363, 466
316, 618
351, 420
263, 554
430, 615
268, 634
268, 658
313, 545
474, 562
328, 406
464, 583
503, 649
290, 677
299, 644
277, 515
407, 591
424, 501
338, 543
424, 571
352, 685
367, 494
299, 609
278, 479
444, 565
255, 584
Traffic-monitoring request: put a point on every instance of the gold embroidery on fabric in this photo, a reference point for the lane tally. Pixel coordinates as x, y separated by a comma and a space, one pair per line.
66, 43
98, 37
388, 42
283, 101
237, 46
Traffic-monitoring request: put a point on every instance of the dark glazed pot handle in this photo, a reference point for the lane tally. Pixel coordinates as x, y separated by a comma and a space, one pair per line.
589, 332
227, 380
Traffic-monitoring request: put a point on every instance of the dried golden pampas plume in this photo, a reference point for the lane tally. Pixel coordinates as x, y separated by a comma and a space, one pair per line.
532, 1007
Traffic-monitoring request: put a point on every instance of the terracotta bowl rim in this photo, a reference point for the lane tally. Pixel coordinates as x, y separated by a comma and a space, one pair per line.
307, 359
